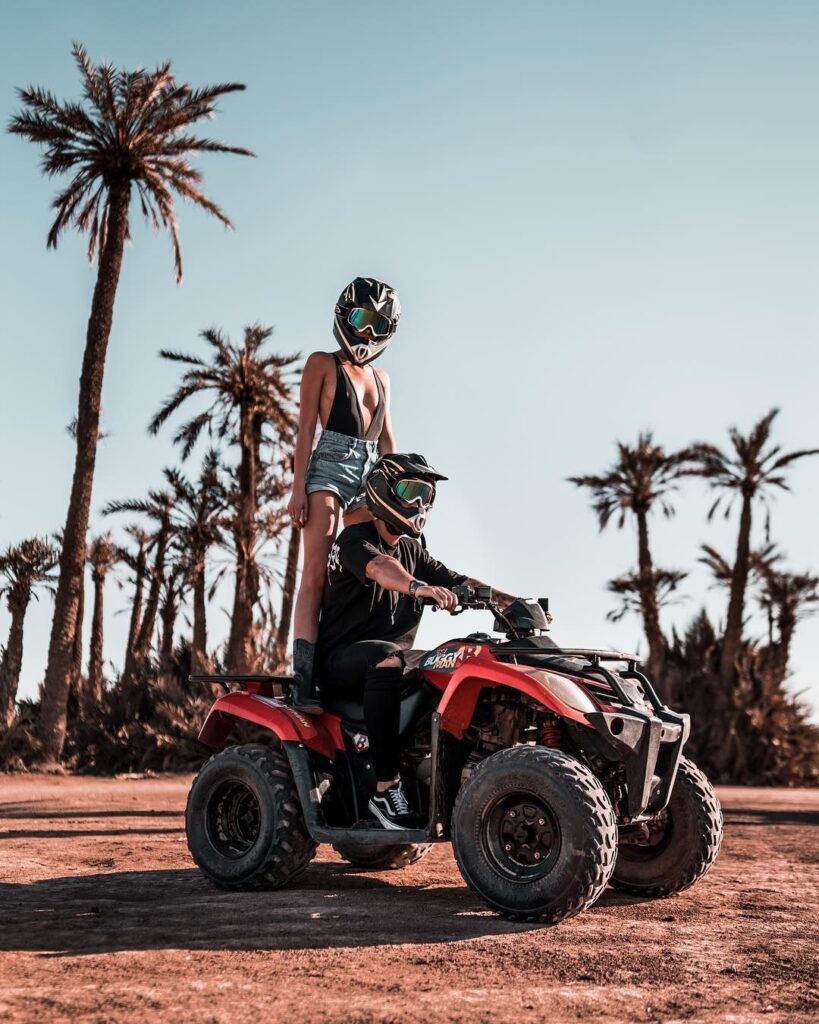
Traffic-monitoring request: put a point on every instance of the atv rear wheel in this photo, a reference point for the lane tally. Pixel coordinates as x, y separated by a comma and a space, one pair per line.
381, 858
243, 820
683, 840
534, 834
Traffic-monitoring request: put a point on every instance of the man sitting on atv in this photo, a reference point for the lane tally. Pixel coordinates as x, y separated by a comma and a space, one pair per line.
378, 575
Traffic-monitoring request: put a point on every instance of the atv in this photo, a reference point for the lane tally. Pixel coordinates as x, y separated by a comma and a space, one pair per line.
554, 772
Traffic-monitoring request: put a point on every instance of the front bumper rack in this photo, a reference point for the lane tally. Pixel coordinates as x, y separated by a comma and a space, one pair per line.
648, 745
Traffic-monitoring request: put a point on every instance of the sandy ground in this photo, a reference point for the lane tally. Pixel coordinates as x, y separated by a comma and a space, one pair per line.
104, 918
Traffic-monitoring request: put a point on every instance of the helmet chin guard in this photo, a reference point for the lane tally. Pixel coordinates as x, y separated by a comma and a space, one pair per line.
403, 518
357, 349
362, 347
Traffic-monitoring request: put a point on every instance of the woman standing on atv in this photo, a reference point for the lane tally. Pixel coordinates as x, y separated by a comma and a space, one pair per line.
351, 400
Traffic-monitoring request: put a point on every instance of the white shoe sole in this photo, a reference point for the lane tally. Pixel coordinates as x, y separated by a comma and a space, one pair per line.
384, 820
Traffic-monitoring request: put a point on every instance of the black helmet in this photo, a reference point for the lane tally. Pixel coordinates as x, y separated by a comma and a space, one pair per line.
403, 509
368, 306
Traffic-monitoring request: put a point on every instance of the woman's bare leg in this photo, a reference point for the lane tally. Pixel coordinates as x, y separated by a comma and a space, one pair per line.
317, 536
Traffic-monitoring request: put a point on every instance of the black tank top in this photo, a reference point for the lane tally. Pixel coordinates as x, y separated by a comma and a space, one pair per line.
346, 415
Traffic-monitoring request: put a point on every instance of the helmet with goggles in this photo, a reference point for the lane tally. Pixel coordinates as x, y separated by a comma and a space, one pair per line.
367, 314
400, 491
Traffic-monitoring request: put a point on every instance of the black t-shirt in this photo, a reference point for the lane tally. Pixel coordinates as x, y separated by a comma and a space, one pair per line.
355, 607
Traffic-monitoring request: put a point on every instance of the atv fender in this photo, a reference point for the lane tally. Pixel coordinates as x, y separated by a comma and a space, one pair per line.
457, 705
289, 725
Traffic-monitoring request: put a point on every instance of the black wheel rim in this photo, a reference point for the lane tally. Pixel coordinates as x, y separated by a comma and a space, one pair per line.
233, 818
521, 836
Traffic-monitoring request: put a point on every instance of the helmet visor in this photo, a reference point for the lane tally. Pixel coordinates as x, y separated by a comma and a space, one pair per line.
415, 492
359, 319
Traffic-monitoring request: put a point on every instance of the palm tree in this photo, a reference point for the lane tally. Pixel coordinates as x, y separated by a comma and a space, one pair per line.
138, 564
288, 594
751, 470
75, 697
130, 133
198, 524
642, 479
252, 404
173, 587
665, 583
102, 555
786, 597
761, 561
157, 507
23, 569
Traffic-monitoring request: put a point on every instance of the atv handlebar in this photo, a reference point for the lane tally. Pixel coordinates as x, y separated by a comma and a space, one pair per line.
522, 617
467, 597
473, 597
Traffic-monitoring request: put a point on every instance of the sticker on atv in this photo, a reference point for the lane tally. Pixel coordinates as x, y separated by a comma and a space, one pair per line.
447, 659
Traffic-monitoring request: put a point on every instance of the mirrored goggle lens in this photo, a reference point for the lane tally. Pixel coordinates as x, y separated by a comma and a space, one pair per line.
379, 324
415, 492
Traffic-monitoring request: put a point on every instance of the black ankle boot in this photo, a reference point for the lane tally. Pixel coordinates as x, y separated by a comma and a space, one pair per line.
305, 691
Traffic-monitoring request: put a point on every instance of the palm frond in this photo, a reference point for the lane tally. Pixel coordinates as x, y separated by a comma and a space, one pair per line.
170, 407
130, 128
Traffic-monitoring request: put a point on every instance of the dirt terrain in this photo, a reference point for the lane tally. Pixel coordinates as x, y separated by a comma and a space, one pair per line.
103, 918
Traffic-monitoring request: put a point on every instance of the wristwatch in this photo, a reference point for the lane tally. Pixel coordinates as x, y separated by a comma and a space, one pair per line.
413, 587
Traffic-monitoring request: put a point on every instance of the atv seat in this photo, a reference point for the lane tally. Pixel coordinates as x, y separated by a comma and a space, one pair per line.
413, 700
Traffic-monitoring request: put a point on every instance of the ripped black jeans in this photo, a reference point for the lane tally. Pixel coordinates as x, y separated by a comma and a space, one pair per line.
354, 672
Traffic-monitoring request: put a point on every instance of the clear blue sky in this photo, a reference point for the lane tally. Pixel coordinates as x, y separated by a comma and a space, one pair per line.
600, 217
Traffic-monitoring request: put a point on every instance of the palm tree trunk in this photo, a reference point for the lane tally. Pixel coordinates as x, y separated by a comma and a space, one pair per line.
129, 666
12, 659
52, 723
142, 646
94, 686
199, 653
288, 594
168, 621
781, 651
240, 652
648, 605
76, 687
732, 640
724, 710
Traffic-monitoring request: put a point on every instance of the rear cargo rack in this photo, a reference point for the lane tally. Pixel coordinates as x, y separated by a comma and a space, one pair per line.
259, 682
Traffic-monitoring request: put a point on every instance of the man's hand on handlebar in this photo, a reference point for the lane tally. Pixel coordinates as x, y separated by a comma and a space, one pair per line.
439, 596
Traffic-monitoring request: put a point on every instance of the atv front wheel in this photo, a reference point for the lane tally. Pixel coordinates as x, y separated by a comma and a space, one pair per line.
381, 858
534, 834
243, 820
681, 844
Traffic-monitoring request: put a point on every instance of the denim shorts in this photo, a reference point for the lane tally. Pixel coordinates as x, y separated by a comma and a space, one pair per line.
340, 464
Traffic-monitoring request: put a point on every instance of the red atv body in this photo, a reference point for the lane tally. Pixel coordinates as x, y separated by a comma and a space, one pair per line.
539, 763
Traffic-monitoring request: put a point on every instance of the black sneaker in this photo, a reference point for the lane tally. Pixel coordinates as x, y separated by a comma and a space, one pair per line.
391, 808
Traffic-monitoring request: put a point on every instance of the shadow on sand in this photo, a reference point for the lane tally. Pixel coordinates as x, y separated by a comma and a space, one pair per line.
12, 813
82, 833
334, 905
745, 816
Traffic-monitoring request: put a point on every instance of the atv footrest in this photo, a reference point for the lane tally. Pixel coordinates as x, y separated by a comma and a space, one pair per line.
376, 836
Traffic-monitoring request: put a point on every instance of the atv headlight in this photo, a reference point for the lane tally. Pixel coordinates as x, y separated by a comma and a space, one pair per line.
565, 690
